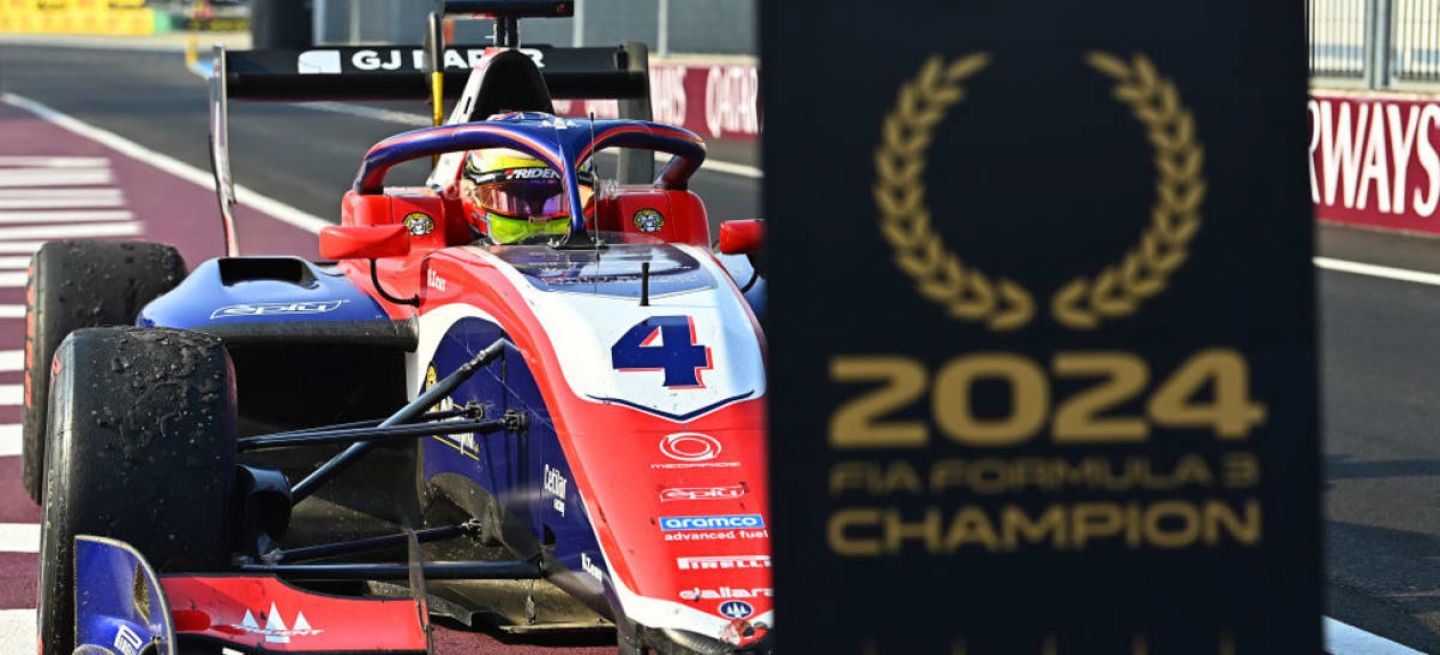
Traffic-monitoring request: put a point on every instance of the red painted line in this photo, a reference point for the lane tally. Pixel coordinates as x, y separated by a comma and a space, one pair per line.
15, 506
18, 575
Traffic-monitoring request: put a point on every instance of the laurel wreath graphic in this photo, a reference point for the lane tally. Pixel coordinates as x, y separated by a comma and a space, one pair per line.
899, 192
1003, 304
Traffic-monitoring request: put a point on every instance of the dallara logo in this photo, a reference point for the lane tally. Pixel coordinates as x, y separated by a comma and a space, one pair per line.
1001, 304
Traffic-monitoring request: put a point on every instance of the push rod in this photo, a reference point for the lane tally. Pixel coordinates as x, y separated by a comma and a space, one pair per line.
492, 570
429, 398
374, 422
372, 543
362, 435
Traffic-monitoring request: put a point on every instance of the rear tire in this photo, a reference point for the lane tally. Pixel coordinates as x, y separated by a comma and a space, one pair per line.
80, 284
141, 449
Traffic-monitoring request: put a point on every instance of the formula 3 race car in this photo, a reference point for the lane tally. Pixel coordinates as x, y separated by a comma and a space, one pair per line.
269, 454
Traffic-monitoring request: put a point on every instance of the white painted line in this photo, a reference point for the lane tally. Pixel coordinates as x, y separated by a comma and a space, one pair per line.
12, 394
82, 230
14, 262
53, 177
729, 168
9, 440
12, 311
17, 631
63, 203
64, 216
1344, 639
20, 247
51, 194
13, 280
373, 113
19, 538
9, 173
55, 162
276, 209
11, 360
1359, 268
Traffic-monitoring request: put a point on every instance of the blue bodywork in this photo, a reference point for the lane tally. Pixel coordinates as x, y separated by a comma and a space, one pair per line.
525, 470
121, 607
260, 289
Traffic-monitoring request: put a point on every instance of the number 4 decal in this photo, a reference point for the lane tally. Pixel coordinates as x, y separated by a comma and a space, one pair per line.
677, 353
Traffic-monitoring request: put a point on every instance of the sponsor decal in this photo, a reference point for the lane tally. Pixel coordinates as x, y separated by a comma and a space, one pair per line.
588, 565
1373, 161
717, 535
727, 593
701, 493
127, 642
701, 465
318, 62
276, 631
434, 281
719, 522
465, 442
727, 562
419, 223
731, 100
690, 447
278, 308
333, 62
693, 450
648, 220
736, 609
555, 486
530, 173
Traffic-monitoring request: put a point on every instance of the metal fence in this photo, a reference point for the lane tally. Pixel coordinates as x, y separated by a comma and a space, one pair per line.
1416, 52
668, 26
1377, 44
1337, 37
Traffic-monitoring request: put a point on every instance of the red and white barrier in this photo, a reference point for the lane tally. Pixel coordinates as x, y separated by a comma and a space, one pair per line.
716, 101
1375, 160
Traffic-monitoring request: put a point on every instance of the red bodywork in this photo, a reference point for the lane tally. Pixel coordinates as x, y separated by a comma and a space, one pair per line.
265, 614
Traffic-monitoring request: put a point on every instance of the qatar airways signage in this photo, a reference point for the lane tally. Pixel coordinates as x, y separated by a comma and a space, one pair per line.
716, 101
1375, 160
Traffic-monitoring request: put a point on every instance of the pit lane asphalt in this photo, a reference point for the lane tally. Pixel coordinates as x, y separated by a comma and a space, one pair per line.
1379, 346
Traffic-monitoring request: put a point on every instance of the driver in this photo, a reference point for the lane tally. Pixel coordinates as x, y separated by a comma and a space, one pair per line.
510, 196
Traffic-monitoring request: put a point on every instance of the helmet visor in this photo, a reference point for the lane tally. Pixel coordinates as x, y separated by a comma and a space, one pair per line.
532, 198
504, 229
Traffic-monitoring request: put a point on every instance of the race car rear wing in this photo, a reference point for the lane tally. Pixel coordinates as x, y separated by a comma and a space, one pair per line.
435, 72
397, 72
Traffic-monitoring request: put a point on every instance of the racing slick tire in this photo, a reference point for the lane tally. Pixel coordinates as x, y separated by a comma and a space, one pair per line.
73, 285
141, 448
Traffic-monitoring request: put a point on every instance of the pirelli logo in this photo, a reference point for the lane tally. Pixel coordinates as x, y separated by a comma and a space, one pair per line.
723, 563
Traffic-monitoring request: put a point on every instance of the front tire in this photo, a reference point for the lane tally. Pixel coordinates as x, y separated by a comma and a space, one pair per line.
73, 285
141, 448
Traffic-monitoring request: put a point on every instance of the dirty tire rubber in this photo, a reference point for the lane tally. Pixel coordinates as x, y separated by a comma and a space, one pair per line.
80, 284
141, 449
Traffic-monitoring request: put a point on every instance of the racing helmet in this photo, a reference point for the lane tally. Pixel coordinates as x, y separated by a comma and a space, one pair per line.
511, 197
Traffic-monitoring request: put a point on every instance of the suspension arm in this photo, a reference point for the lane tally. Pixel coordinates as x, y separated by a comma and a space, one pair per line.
407, 414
